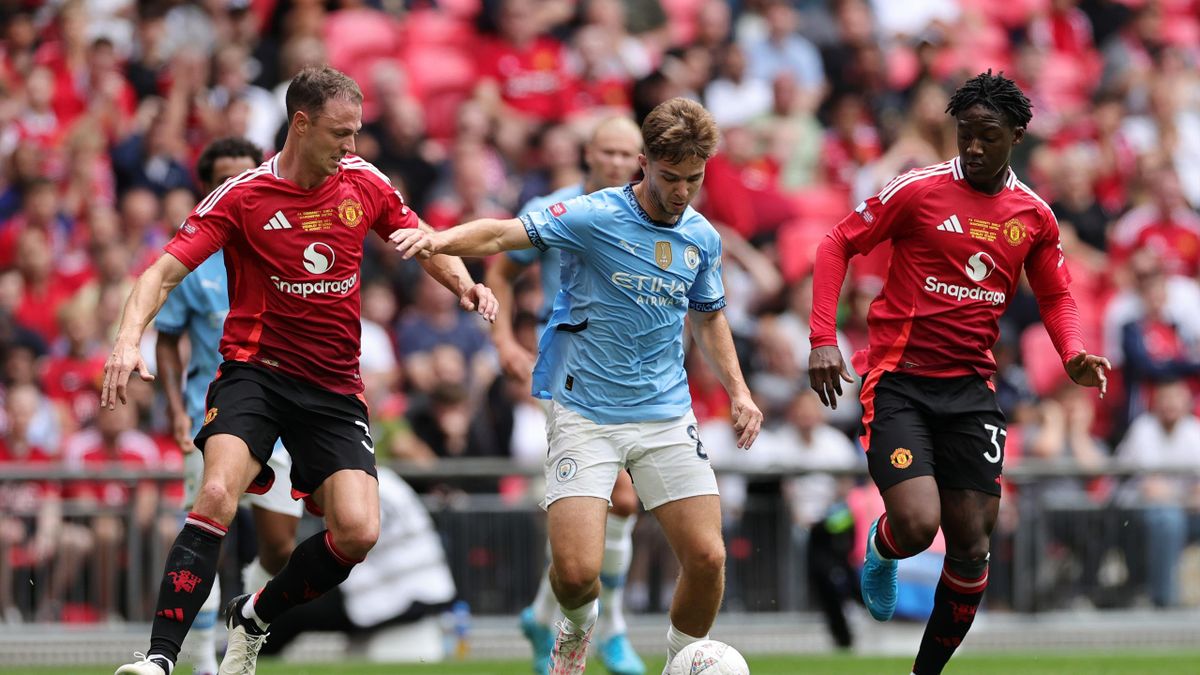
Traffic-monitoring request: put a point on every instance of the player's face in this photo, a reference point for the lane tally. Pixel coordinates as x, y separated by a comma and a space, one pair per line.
225, 168
672, 185
612, 156
985, 142
331, 134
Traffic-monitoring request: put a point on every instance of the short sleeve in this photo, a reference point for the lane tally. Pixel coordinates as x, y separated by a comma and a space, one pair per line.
173, 317
880, 217
1046, 265
204, 232
385, 202
707, 293
564, 225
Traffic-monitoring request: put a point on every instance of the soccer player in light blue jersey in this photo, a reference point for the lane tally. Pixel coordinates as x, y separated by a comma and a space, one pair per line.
611, 363
197, 308
611, 156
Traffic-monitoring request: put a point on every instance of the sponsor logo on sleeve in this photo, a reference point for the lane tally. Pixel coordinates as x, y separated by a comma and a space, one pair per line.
557, 210
864, 212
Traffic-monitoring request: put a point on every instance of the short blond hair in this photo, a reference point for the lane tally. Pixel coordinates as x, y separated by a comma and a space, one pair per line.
679, 129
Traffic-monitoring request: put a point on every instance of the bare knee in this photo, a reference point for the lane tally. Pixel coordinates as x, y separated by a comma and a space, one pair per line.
914, 532
706, 561
573, 578
355, 539
217, 500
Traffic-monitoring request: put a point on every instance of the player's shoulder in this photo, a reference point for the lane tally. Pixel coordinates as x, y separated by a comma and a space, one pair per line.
546, 201
914, 181
228, 193
695, 224
1023, 193
357, 168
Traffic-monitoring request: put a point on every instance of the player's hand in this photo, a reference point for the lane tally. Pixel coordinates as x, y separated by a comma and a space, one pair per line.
124, 360
515, 360
479, 298
747, 419
414, 241
826, 370
181, 429
1089, 370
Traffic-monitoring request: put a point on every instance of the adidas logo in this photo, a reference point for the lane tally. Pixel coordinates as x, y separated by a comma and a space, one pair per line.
951, 224
280, 222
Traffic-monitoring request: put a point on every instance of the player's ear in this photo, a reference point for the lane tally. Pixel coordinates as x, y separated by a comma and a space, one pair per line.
1018, 135
300, 121
643, 162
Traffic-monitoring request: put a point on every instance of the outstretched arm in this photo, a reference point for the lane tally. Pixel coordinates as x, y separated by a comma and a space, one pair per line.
712, 335
478, 238
146, 298
450, 272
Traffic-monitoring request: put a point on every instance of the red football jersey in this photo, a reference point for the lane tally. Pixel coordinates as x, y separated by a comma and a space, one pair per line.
293, 257
956, 260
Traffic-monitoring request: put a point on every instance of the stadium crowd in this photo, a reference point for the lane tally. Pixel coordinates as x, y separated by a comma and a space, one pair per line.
474, 106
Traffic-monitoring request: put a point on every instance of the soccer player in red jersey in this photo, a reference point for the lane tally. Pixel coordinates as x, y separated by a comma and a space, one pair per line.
292, 231
961, 233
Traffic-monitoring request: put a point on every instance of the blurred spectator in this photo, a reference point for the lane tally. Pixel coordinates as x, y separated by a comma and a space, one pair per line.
822, 527
782, 51
1182, 299
72, 375
1061, 438
44, 290
1171, 127
791, 133
1077, 208
1159, 443
113, 443
40, 212
435, 321
233, 84
851, 142
1167, 225
736, 96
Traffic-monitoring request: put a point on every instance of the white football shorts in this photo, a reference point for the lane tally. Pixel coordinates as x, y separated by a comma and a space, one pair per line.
665, 458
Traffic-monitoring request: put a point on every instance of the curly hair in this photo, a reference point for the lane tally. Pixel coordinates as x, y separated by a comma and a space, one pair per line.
995, 92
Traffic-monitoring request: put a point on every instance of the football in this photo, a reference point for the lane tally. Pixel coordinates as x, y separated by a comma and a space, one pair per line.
708, 657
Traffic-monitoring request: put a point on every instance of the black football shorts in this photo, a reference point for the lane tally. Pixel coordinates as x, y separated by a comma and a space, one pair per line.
947, 427
324, 431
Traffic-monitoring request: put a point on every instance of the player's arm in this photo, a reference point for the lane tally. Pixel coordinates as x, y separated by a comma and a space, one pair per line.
450, 272
826, 367
1049, 278
148, 295
170, 368
478, 238
516, 361
711, 332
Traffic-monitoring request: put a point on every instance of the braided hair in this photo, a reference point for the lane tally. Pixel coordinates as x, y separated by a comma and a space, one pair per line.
995, 92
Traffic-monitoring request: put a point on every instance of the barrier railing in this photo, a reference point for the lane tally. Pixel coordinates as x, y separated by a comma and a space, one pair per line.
1065, 538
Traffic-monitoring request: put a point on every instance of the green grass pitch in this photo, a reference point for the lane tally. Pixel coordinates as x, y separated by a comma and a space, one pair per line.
1182, 663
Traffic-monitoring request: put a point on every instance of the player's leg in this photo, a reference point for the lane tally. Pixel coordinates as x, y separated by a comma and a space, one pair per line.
328, 436
202, 639
616, 652
676, 483
900, 458
581, 469
191, 566
969, 445
693, 528
276, 518
968, 517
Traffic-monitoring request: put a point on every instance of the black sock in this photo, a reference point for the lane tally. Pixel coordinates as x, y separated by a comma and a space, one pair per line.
315, 567
188, 578
958, 594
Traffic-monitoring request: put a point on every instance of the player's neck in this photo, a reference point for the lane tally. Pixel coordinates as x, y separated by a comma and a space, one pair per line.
290, 167
642, 195
993, 185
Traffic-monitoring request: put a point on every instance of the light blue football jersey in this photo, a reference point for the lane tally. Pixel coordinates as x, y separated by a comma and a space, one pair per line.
613, 348
550, 259
198, 306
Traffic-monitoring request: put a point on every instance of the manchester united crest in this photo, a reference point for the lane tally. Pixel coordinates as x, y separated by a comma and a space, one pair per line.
662, 254
350, 212
1014, 232
902, 458
210, 415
